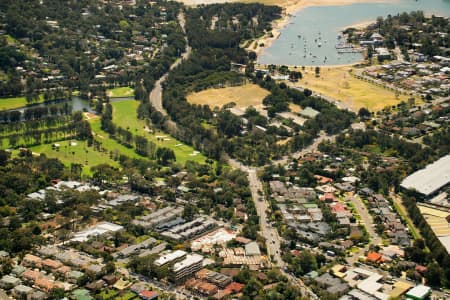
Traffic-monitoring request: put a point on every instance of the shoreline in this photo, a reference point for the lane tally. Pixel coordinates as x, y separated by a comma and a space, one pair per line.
290, 8
294, 67
360, 25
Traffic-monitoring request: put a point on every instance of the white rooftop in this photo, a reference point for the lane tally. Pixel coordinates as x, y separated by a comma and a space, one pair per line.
169, 257
431, 178
445, 240
370, 285
420, 291
99, 229
191, 259
252, 248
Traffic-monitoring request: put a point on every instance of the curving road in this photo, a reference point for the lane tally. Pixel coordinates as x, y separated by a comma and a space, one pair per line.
155, 96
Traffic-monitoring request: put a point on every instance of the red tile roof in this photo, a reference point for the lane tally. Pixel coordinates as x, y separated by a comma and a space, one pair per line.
374, 256
146, 294
234, 287
338, 207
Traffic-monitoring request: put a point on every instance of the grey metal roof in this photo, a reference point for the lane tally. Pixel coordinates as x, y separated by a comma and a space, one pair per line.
431, 178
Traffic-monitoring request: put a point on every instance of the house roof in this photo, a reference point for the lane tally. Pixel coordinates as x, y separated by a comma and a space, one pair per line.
31, 274
234, 287
309, 112
419, 292
54, 264
146, 294
374, 256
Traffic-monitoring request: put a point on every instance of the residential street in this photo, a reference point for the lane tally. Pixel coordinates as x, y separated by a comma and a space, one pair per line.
367, 221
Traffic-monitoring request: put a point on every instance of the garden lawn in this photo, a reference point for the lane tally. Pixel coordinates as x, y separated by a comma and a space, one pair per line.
107, 294
125, 116
127, 296
76, 153
16, 102
120, 92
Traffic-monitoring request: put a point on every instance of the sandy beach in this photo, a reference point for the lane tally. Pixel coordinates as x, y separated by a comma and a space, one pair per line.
360, 25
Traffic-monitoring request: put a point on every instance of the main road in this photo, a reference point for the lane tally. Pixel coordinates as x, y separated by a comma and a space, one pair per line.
273, 243
155, 96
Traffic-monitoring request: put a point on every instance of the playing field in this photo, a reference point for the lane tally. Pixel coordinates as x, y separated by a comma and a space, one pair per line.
124, 115
339, 84
120, 92
244, 96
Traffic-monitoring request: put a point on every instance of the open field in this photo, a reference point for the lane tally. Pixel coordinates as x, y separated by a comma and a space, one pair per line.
15, 102
120, 92
339, 84
244, 96
75, 152
124, 115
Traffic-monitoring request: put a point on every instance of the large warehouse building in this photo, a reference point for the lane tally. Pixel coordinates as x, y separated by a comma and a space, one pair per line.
431, 179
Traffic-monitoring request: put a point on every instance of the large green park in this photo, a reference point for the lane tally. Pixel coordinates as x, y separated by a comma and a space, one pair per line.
105, 149
124, 115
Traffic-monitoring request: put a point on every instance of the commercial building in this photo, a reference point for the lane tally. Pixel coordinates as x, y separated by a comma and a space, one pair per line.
252, 249
182, 231
431, 179
191, 264
221, 280
158, 217
99, 229
134, 249
170, 258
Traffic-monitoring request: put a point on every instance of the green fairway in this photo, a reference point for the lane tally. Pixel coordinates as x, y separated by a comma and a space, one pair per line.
16, 102
110, 144
120, 92
75, 152
124, 115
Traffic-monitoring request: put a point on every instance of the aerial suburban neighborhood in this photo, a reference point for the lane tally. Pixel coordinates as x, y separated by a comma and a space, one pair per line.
224, 150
